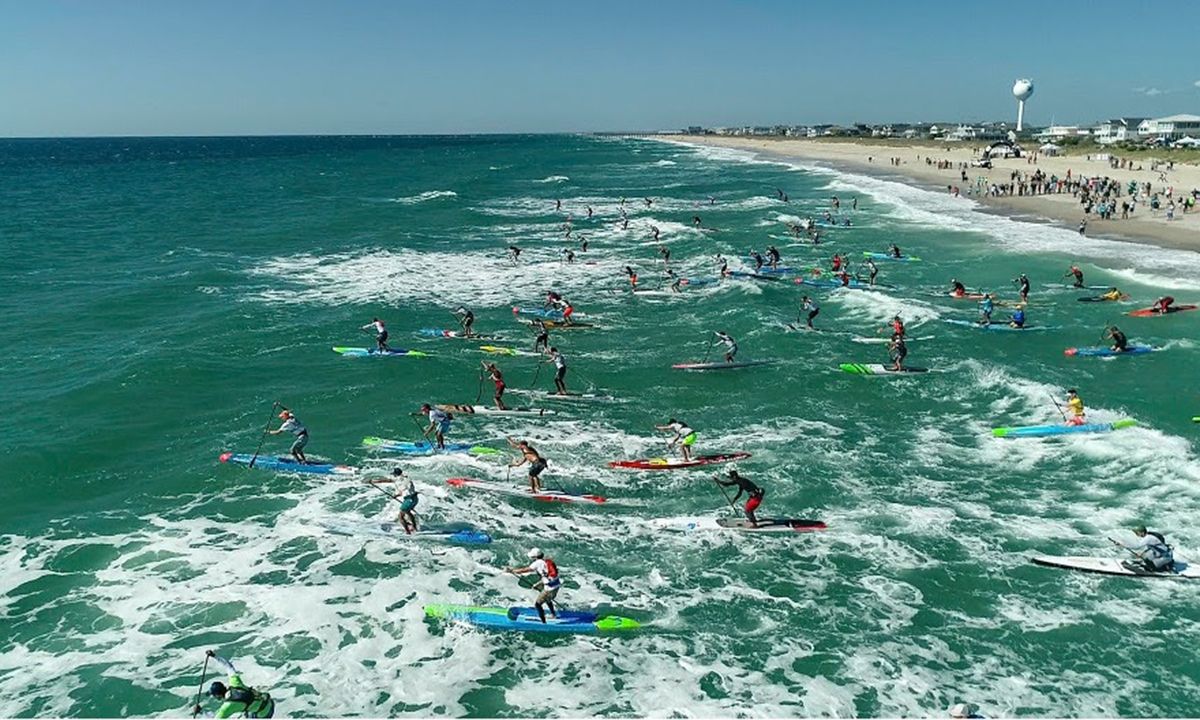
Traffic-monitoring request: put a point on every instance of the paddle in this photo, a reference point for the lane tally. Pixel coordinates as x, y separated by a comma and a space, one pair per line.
708, 350
199, 690
1059, 407
423, 430
266, 429
722, 489
479, 390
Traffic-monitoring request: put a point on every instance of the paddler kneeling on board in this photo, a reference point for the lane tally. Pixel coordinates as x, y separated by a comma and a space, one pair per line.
754, 494
1120, 342
957, 289
731, 347
1162, 306
1075, 405
1112, 295
537, 463
548, 582
685, 437
237, 698
1152, 551
1018, 319
439, 424
293, 425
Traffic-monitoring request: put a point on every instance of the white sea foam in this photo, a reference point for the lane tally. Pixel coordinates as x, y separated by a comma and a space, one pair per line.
424, 197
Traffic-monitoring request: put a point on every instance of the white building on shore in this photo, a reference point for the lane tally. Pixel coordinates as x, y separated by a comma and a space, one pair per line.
1172, 127
1117, 130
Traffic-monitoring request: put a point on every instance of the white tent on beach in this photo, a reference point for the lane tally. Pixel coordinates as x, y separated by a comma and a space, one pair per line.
1049, 149
1186, 142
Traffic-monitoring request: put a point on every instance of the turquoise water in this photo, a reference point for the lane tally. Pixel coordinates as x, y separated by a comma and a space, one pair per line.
160, 295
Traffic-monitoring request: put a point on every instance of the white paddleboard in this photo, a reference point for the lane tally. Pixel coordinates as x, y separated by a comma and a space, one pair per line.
1111, 566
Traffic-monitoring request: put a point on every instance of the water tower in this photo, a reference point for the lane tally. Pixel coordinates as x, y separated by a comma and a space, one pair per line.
1022, 89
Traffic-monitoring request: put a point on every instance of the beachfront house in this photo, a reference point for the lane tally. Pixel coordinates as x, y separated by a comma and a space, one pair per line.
1062, 132
1117, 130
1172, 127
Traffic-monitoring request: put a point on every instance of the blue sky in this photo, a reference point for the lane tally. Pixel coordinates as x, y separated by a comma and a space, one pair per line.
211, 67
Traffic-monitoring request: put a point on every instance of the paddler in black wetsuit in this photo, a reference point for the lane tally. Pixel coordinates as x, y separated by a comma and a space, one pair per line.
466, 318
754, 494
957, 289
723, 271
758, 260
1023, 281
773, 254
541, 340
1120, 342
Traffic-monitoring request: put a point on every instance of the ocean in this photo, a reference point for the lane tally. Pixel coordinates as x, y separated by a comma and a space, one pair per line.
160, 295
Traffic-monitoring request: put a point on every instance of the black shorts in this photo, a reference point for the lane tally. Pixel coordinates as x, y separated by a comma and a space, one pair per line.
536, 468
560, 373
382, 337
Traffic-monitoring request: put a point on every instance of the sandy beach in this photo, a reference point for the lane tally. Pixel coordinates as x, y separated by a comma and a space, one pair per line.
942, 169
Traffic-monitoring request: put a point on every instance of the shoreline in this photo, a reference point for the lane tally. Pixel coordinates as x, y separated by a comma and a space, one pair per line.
1061, 210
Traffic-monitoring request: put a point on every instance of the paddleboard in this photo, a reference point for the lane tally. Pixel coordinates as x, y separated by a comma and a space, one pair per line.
564, 325
885, 341
677, 463
285, 463
457, 335
1064, 286
878, 369
1108, 351
497, 350
569, 397
1100, 298
833, 284
393, 531
886, 256
544, 495
1109, 566
965, 296
1050, 430
374, 352
765, 525
544, 313
526, 619
722, 365
743, 275
490, 410
424, 448
998, 325
1152, 312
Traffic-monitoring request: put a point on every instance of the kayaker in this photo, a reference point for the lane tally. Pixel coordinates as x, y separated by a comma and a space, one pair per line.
897, 350
730, 344
439, 424
1023, 281
1075, 405
1076, 273
381, 334
406, 493
1018, 318
537, 463
754, 494
685, 437
810, 306
541, 339
291, 424
496, 377
957, 289
466, 318
629, 273
560, 370
1152, 551
986, 306
548, 582
1163, 305
237, 698
773, 256
1120, 342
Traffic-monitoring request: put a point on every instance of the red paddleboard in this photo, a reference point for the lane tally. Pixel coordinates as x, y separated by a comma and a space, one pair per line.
1151, 312
675, 463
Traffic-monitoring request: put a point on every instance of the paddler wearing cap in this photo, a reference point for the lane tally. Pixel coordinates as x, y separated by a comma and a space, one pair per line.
1075, 405
237, 698
439, 424
406, 493
548, 582
291, 424
1152, 551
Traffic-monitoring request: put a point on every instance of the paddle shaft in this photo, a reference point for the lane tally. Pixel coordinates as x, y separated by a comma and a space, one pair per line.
1058, 407
263, 438
200, 689
726, 494
708, 351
